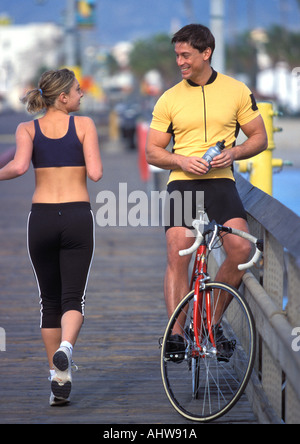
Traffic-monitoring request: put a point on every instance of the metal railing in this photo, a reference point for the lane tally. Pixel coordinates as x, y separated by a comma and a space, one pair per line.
273, 293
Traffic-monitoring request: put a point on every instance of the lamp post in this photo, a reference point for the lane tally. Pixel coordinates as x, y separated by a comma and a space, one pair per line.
70, 31
217, 28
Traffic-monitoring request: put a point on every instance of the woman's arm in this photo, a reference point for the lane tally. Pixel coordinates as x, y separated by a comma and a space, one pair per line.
21, 161
91, 150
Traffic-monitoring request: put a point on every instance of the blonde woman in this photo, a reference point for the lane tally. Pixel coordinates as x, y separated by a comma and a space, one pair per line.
64, 151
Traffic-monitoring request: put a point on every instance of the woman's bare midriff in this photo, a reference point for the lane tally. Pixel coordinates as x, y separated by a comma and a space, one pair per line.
60, 184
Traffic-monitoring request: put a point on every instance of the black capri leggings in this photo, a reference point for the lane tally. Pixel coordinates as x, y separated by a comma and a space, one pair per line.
61, 247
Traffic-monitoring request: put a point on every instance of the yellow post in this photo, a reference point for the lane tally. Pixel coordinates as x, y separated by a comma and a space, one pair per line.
261, 166
77, 71
114, 127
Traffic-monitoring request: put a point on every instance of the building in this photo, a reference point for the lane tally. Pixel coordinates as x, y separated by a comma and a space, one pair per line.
282, 84
24, 51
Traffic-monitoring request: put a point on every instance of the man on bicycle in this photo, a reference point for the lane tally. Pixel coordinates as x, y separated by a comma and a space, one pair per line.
202, 109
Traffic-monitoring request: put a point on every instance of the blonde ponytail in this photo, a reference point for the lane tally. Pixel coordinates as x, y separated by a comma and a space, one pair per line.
34, 101
51, 85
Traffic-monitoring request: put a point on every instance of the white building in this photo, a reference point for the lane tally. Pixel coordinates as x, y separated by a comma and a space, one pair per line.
24, 50
282, 84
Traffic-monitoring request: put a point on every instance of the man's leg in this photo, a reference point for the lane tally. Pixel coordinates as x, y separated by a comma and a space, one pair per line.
176, 284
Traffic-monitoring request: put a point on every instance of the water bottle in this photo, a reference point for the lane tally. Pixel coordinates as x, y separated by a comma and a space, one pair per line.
214, 151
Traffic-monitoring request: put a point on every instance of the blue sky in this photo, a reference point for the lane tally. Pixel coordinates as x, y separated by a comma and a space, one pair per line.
132, 19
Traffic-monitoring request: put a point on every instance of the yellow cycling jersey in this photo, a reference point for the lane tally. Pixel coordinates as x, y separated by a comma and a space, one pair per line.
200, 116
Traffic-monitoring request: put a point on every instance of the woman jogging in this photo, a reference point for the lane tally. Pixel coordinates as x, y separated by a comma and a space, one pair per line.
64, 150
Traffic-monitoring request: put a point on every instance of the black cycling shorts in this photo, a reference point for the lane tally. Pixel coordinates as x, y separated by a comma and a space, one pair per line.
219, 198
61, 248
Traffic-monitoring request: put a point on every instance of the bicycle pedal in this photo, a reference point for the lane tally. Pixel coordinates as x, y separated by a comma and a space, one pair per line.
176, 357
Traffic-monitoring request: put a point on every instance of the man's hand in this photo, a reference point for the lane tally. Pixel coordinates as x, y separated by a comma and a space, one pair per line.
195, 165
223, 160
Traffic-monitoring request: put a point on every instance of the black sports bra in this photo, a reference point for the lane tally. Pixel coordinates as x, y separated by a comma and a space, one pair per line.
63, 152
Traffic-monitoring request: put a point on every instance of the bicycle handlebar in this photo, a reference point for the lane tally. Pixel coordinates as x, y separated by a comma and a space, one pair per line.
215, 228
198, 240
258, 248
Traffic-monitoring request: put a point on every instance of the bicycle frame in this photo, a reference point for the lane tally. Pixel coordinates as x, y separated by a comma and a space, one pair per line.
199, 276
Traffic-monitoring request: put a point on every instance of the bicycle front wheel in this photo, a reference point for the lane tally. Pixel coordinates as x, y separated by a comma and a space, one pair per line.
203, 383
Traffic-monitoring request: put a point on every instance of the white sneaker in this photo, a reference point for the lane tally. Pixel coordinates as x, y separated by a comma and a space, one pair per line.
56, 401
61, 383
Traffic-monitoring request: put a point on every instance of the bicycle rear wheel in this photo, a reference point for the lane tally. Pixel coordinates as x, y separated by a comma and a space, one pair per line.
204, 384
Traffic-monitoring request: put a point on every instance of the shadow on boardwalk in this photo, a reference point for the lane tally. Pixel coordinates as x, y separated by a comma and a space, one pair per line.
119, 380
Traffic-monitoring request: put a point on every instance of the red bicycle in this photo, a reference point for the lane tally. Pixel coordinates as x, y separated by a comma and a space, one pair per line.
208, 348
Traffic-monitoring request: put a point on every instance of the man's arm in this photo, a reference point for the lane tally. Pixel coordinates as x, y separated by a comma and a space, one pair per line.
256, 143
156, 154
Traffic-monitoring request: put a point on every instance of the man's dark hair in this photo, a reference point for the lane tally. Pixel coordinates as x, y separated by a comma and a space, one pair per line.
196, 35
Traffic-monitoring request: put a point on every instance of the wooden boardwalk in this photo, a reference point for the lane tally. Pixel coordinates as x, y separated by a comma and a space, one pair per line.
119, 380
